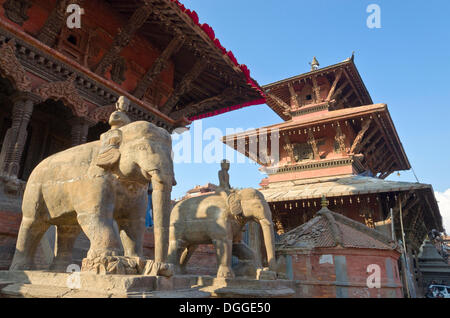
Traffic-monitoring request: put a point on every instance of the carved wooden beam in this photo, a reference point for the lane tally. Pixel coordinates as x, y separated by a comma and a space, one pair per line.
49, 33
294, 96
124, 37
380, 157
354, 88
339, 90
425, 198
316, 89
280, 103
360, 136
158, 66
386, 163
184, 86
333, 87
367, 140
373, 144
226, 95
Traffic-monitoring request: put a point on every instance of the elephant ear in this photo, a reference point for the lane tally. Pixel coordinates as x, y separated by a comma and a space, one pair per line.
234, 203
109, 153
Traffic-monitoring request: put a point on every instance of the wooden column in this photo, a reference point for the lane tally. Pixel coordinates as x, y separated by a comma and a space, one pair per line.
79, 131
16, 136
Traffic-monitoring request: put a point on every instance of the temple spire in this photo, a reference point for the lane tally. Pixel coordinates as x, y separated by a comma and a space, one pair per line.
314, 64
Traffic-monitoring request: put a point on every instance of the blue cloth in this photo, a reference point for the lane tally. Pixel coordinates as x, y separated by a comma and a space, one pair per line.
149, 214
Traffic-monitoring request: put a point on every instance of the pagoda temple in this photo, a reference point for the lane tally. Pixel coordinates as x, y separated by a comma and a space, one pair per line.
336, 142
59, 82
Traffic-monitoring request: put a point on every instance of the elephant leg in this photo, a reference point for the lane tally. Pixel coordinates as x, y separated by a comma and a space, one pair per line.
224, 255
176, 249
186, 256
99, 228
132, 235
161, 201
66, 235
30, 234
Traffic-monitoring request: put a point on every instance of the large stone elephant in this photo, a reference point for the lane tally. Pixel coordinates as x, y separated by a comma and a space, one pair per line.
219, 219
88, 187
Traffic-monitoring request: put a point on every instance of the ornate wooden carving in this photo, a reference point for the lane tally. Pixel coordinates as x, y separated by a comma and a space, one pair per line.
57, 19
66, 92
294, 96
227, 95
339, 90
158, 66
288, 147
118, 69
16, 136
16, 10
184, 86
333, 87
303, 152
280, 103
357, 142
79, 131
313, 143
11, 68
124, 37
340, 140
102, 114
316, 89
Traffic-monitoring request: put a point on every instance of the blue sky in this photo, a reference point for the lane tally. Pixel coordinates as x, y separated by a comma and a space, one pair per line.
405, 64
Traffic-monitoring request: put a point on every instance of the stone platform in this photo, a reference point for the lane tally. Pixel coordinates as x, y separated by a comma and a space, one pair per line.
41, 284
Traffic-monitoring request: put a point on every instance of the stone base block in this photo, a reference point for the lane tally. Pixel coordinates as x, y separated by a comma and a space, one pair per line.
42, 284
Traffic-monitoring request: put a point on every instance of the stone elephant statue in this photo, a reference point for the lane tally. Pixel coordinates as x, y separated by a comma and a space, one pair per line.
219, 219
90, 186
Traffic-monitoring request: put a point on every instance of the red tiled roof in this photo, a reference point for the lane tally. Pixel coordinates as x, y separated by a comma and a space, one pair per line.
329, 229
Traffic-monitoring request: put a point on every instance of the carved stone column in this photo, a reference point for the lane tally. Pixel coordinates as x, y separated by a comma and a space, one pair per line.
80, 129
16, 136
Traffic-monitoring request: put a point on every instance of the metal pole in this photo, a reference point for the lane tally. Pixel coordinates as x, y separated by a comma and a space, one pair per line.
392, 225
404, 247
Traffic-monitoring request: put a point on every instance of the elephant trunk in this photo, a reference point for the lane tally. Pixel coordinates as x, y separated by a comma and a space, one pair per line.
269, 240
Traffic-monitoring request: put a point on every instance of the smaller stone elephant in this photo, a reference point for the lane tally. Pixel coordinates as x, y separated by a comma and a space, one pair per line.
219, 219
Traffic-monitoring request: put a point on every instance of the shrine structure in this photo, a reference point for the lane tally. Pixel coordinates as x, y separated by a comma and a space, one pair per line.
336, 142
58, 85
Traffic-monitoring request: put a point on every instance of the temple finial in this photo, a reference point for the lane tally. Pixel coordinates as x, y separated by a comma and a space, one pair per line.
314, 64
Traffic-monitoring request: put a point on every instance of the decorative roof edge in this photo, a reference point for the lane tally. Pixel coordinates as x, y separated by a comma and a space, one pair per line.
209, 31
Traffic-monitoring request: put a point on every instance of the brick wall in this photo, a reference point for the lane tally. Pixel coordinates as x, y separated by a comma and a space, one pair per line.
335, 273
